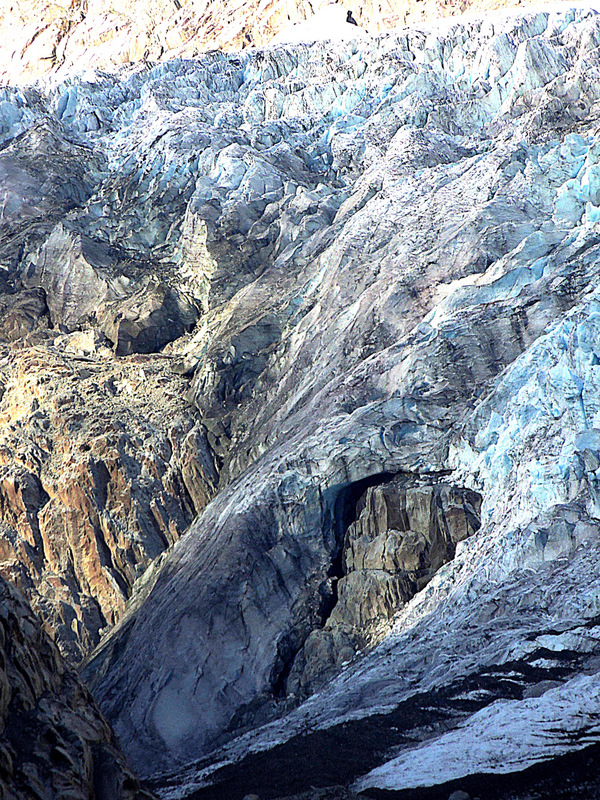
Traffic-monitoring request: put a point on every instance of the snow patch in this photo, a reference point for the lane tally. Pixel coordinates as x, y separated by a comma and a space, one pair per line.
507, 736
327, 24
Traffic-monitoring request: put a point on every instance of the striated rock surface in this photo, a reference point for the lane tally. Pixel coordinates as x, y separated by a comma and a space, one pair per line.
55, 742
372, 267
102, 467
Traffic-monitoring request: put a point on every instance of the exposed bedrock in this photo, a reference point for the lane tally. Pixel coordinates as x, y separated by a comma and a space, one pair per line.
402, 532
102, 467
55, 741
22, 313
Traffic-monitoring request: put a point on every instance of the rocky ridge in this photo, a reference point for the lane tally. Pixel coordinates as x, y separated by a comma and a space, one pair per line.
375, 267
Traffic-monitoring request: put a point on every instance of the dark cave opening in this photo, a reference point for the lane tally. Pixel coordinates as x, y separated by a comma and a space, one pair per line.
344, 514
391, 533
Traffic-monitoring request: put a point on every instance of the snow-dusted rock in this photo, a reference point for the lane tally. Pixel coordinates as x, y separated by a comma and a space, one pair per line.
330, 23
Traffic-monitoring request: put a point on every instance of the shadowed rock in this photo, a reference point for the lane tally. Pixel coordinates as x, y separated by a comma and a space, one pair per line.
55, 741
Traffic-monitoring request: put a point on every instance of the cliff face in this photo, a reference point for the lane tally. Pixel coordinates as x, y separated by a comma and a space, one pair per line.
349, 292
55, 742
103, 466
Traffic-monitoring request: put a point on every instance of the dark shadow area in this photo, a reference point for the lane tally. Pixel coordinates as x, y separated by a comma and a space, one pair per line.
339, 755
344, 515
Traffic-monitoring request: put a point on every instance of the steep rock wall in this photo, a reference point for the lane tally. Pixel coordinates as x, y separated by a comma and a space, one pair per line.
402, 531
55, 742
104, 464
102, 468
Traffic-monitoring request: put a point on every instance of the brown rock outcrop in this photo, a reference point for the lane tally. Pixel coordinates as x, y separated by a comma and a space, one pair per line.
102, 466
403, 532
54, 742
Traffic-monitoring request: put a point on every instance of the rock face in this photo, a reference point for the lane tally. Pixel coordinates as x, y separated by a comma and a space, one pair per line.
373, 269
42, 36
404, 531
102, 467
55, 742
103, 462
